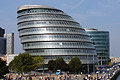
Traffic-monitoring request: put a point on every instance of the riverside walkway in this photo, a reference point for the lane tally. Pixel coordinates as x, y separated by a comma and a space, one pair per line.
109, 75
55, 77
113, 72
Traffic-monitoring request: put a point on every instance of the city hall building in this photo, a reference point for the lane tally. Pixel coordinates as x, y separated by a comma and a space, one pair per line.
51, 33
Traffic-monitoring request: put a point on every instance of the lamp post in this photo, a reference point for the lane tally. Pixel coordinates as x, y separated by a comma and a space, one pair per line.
108, 73
87, 64
43, 69
97, 74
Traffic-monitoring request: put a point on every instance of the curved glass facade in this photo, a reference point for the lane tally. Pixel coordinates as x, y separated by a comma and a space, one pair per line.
101, 42
50, 33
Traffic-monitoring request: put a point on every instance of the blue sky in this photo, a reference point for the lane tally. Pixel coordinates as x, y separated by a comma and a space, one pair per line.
100, 14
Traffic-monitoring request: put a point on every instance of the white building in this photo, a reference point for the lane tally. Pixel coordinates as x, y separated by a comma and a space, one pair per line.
10, 58
9, 43
115, 59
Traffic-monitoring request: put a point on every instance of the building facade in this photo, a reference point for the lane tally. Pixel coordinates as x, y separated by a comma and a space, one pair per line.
10, 43
115, 60
50, 33
2, 32
2, 46
10, 58
100, 40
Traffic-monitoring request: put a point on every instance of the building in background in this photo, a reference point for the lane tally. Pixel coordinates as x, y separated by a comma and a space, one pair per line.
100, 40
10, 43
4, 57
2, 46
10, 58
50, 33
2, 43
115, 60
2, 32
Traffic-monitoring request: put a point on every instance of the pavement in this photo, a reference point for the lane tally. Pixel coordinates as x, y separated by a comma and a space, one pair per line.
73, 77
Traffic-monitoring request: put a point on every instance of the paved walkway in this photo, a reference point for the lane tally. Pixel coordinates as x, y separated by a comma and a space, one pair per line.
55, 77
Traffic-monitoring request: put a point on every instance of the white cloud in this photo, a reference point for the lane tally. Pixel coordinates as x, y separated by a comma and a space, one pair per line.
72, 6
78, 4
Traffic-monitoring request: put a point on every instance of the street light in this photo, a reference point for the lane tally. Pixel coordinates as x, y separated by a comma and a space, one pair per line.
108, 73
97, 74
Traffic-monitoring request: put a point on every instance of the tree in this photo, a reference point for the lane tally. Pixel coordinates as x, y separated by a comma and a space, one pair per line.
59, 63
25, 63
3, 68
75, 64
37, 62
51, 65
110, 64
21, 63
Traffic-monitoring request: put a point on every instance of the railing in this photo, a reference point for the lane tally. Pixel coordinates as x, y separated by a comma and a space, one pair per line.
111, 72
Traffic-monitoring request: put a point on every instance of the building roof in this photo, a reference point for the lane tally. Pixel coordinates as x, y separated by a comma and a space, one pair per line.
91, 29
33, 6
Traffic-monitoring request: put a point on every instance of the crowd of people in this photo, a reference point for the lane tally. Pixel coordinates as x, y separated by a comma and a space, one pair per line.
51, 77
41, 77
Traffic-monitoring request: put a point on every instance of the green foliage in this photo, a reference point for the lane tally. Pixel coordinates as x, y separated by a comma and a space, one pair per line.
3, 68
51, 65
59, 63
75, 64
25, 63
21, 63
110, 64
37, 62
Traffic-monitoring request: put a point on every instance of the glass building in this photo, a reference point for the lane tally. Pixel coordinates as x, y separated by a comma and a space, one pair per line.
9, 43
2, 42
100, 40
2, 46
2, 32
51, 33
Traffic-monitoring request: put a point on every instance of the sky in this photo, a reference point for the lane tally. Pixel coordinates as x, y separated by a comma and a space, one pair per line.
100, 14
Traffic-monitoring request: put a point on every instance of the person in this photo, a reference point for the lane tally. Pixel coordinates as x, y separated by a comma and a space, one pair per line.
85, 78
45, 78
11, 78
27, 78
95, 78
69, 76
52, 77
75, 77
58, 77
10, 74
5, 78
35, 74
39, 78
14, 78
80, 77
30, 78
